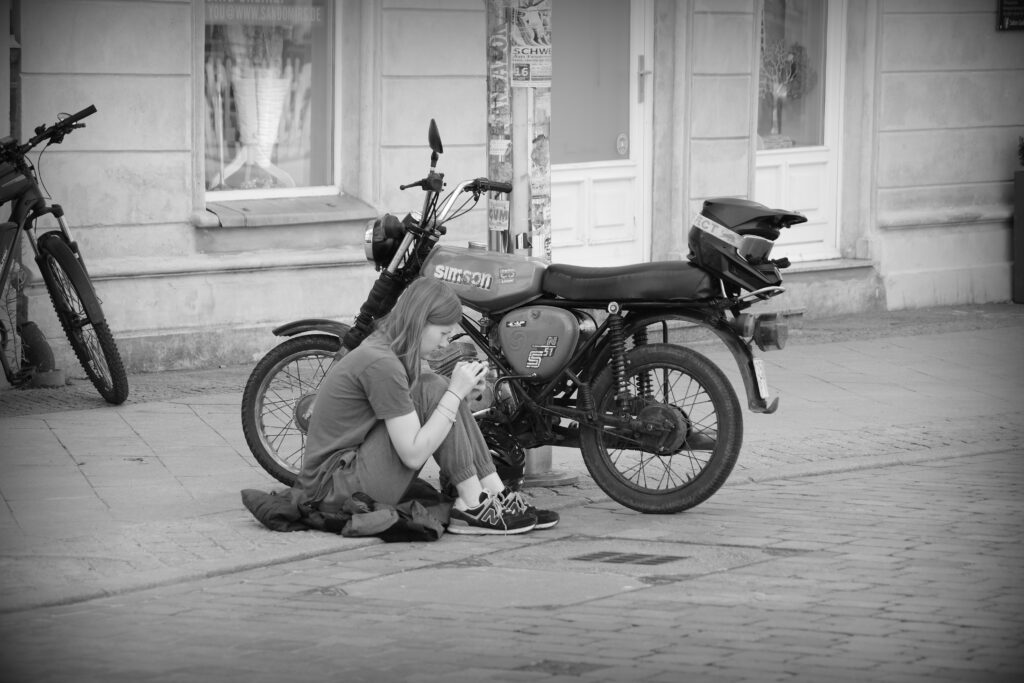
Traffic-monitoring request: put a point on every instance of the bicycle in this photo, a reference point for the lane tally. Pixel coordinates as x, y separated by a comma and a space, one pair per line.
63, 269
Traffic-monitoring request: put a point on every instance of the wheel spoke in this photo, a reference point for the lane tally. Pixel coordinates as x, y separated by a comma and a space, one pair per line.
79, 326
660, 472
289, 381
669, 437
80, 313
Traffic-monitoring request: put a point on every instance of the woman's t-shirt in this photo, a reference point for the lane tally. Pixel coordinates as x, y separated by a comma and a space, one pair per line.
368, 385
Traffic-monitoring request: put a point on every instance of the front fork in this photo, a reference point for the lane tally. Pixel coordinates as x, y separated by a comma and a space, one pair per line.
57, 211
37, 351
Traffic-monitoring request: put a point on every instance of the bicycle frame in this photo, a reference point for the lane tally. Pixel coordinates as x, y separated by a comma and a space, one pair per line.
78, 308
11, 251
29, 207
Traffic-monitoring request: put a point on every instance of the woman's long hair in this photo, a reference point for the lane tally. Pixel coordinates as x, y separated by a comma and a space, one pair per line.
426, 301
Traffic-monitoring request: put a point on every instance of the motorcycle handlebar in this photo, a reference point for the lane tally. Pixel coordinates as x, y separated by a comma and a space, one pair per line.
486, 185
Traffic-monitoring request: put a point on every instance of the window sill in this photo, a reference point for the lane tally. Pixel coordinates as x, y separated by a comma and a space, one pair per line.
293, 223
290, 211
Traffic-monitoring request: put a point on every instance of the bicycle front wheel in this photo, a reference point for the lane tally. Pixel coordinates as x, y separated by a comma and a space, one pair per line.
80, 314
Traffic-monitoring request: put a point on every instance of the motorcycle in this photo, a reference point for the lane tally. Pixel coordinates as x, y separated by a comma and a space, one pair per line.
578, 356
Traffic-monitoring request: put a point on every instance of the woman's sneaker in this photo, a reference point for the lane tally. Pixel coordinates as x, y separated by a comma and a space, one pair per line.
489, 517
514, 502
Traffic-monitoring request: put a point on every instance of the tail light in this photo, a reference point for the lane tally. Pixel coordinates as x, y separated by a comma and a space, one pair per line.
769, 331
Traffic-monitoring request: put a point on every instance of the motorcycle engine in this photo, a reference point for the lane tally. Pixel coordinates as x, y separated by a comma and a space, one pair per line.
536, 340
539, 340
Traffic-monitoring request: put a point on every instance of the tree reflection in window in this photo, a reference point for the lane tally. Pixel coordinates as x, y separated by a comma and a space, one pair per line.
791, 95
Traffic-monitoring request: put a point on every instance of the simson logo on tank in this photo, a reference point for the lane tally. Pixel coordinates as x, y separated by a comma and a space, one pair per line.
462, 276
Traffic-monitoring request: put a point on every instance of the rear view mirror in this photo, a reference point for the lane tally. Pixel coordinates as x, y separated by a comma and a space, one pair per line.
434, 136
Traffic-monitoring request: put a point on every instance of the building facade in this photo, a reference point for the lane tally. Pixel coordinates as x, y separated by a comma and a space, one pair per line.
240, 147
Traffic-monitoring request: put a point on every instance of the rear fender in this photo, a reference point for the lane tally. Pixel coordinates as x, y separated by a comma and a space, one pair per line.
306, 325
740, 350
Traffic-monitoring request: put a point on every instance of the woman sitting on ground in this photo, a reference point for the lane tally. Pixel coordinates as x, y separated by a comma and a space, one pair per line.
378, 418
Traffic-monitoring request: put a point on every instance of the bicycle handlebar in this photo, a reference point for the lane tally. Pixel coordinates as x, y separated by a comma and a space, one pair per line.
78, 116
60, 128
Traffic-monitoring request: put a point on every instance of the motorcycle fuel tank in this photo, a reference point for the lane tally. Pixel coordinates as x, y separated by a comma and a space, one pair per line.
487, 281
538, 340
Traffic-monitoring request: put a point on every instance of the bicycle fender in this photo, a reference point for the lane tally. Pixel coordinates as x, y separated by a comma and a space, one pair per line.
296, 327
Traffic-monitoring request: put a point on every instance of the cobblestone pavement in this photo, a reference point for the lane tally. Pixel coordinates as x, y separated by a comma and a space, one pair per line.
908, 573
871, 531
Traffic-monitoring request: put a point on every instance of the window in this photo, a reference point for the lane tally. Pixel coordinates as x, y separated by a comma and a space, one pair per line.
791, 107
268, 105
590, 69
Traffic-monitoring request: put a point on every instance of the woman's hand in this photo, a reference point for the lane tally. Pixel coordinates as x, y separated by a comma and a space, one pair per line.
467, 376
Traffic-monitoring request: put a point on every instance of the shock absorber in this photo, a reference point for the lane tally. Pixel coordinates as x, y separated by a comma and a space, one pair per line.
618, 345
643, 381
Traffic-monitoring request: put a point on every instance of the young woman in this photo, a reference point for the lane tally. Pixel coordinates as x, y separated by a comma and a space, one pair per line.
378, 418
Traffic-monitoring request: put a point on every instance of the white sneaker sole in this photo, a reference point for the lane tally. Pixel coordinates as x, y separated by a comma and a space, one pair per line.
469, 530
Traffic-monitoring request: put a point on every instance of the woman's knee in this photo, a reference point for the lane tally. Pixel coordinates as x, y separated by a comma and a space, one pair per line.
428, 391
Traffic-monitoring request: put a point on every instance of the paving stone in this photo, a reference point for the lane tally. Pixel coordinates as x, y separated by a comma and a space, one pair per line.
884, 529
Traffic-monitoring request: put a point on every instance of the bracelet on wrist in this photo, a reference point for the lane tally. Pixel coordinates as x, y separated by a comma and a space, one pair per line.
445, 413
449, 391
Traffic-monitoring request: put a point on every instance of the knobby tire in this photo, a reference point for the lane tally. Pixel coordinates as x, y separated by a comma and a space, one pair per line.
73, 297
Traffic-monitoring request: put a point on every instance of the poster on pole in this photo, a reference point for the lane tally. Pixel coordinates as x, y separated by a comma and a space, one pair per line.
531, 43
540, 174
499, 121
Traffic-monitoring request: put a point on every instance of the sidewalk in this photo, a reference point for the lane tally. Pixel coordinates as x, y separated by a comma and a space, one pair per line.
102, 500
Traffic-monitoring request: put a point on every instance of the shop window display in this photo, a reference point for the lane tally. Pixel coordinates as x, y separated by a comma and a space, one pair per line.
791, 88
268, 96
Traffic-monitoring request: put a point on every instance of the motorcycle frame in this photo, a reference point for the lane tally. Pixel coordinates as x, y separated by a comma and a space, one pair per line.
538, 400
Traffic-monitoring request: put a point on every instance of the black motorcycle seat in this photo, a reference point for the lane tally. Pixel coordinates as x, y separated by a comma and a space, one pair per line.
659, 281
750, 218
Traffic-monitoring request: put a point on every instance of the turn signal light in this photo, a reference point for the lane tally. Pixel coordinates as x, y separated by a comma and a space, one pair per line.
771, 330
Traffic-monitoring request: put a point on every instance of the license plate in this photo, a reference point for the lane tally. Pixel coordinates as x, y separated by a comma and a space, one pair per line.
762, 381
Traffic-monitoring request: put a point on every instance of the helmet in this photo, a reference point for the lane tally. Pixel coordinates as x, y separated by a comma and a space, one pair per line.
733, 238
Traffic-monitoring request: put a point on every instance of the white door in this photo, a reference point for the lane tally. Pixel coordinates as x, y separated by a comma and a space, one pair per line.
798, 128
600, 131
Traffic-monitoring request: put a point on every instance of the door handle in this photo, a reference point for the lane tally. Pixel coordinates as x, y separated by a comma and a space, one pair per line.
641, 81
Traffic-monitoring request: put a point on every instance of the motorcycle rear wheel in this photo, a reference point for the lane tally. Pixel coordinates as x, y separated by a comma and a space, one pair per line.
687, 388
278, 397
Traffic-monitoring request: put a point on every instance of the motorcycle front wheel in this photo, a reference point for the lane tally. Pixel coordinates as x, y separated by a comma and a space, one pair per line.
278, 400
690, 456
